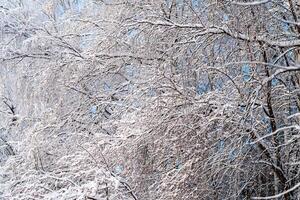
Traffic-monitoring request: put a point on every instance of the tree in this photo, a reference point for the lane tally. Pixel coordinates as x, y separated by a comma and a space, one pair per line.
156, 99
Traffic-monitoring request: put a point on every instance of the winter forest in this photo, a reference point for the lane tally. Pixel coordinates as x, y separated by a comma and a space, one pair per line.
149, 99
